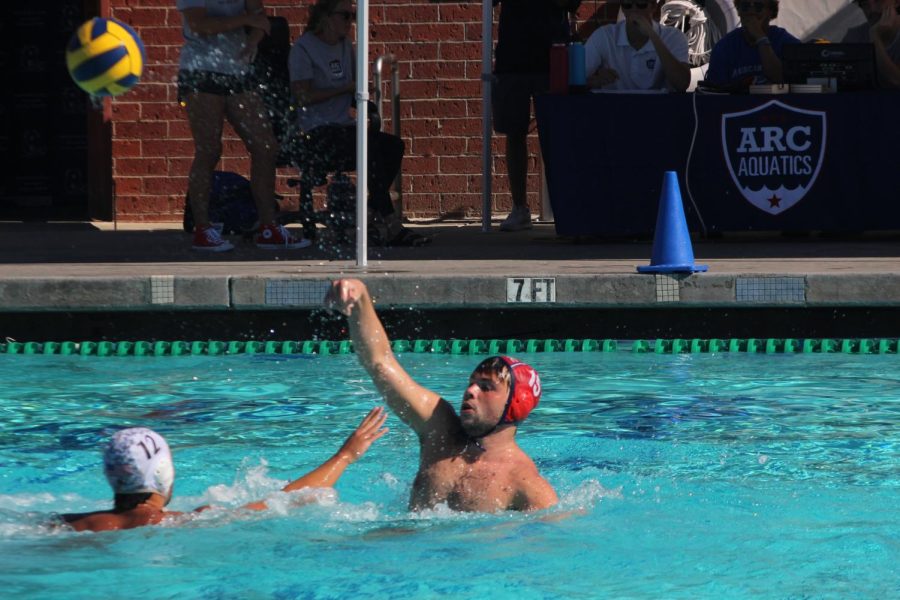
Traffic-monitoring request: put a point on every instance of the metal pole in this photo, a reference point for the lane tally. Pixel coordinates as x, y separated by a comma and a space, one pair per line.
395, 119
487, 34
380, 62
362, 128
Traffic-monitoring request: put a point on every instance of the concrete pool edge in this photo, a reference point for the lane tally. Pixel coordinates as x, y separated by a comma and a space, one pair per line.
423, 291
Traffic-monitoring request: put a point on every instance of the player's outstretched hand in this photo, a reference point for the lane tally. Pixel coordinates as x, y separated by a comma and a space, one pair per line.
368, 431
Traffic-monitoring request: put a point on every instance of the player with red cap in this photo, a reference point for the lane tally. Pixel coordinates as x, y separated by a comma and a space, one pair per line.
468, 460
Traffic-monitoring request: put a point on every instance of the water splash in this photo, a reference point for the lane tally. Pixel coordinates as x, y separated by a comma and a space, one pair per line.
587, 495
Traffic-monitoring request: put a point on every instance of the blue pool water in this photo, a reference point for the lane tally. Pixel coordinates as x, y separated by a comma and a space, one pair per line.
715, 476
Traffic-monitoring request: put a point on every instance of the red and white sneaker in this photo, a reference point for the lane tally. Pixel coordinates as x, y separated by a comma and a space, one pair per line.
209, 239
276, 237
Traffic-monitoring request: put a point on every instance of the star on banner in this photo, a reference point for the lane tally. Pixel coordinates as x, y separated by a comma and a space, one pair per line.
774, 201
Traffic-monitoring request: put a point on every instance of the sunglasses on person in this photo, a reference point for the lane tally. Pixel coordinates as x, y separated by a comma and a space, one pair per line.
755, 6
638, 5
348, 15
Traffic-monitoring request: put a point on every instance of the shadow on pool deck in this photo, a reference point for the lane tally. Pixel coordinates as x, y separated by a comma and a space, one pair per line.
32, 243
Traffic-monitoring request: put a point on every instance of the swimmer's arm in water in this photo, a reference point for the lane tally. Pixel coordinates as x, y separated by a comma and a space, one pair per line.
418, 407
328, 473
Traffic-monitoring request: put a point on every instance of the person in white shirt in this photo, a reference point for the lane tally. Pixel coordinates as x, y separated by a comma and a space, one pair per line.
637, 53
322, 68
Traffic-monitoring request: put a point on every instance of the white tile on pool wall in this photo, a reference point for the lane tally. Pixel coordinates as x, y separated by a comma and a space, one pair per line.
770, 289
162, 289
668, 288
285, 292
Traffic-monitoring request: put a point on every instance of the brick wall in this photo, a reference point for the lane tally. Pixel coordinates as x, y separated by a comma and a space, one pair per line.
438, 45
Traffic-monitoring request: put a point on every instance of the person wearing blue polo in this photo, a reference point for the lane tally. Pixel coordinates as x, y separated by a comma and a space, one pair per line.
752, 53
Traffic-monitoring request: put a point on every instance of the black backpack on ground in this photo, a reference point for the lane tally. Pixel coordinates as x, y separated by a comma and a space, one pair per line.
230, 203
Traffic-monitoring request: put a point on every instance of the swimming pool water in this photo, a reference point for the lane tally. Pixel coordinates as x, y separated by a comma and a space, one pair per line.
735, 476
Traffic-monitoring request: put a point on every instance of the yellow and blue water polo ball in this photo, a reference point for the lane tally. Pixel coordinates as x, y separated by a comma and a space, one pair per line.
105, 57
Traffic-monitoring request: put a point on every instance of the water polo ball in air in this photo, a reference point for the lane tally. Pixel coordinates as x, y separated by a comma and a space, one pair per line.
105, 57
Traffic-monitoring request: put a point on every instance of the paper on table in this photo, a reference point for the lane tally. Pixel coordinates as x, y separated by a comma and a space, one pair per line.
609, 91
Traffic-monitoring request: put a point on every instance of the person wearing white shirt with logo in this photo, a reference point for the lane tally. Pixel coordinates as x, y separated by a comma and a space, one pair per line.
637, 53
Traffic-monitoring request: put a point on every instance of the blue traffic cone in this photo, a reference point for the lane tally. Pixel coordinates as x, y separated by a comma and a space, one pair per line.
672, 252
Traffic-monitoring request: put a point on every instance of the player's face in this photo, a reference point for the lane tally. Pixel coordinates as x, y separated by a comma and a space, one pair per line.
483, 403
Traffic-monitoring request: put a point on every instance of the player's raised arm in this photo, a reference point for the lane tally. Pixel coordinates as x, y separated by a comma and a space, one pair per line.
418, 407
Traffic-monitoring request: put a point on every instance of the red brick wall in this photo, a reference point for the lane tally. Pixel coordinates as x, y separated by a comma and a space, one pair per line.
438, 45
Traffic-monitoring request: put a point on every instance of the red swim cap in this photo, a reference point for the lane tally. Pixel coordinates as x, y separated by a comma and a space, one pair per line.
524, 390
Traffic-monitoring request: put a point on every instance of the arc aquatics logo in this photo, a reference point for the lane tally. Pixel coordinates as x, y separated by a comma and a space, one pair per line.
774, 153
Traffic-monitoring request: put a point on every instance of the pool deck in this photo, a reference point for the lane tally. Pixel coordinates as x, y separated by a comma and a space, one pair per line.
138, 267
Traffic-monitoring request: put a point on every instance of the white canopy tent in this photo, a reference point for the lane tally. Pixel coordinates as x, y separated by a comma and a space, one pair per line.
826, 19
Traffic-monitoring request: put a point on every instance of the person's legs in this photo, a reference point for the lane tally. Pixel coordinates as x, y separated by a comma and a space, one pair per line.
333, 147
247, 114
385, 157
511, 103
327, 146
206, 114
517, 167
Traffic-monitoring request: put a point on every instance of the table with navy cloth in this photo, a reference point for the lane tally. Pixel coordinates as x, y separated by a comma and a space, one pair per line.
605, 156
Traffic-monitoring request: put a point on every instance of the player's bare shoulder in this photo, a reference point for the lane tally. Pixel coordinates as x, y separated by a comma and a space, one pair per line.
533, 492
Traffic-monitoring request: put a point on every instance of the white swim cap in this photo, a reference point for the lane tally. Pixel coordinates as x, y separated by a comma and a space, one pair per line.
138, 460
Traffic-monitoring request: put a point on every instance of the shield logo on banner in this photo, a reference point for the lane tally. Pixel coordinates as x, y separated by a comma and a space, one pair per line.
774, 153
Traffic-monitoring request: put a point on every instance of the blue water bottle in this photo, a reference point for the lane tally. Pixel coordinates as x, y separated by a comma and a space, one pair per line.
577, 78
